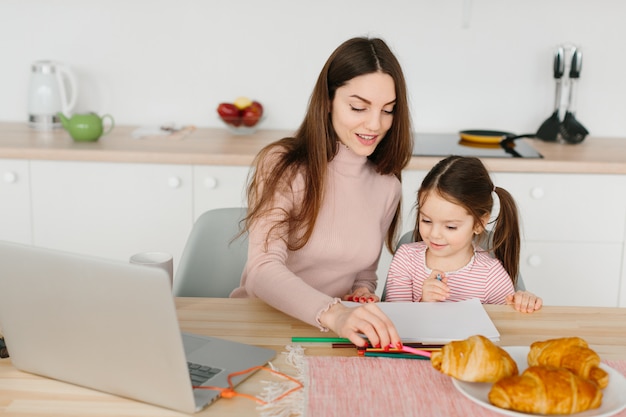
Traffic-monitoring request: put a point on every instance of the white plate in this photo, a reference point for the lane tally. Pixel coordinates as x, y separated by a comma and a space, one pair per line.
613, 398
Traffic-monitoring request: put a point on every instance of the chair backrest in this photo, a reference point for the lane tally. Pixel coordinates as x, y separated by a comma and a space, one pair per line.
408, 238
212, 262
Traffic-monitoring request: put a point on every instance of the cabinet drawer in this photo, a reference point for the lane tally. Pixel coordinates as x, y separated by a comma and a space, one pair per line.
569, 207
218, 186
571, 273
15, 211
112, 210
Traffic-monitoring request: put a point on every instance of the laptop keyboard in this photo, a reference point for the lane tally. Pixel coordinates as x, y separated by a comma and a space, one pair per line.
200, 373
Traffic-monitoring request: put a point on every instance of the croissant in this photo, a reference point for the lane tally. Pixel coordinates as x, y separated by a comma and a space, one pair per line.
476, 359
572, 353
546, 390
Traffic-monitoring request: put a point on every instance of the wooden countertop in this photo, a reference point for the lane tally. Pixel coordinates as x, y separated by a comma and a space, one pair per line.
217, 146
252, 321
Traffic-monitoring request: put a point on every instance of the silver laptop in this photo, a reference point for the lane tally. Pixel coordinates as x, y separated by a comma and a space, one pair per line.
108, 325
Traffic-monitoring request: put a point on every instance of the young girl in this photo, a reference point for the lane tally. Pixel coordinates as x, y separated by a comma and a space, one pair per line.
446, 262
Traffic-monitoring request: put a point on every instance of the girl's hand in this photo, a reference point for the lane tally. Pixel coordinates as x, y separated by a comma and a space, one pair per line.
524, 301
367, 319
361, 295
435, 289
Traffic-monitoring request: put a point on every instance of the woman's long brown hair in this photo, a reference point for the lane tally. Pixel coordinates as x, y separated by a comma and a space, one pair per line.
314, 144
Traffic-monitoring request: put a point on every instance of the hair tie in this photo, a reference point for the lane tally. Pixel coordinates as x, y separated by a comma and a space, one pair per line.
494, 189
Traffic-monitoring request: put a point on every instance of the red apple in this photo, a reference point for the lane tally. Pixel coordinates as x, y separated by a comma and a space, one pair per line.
258, 106
229, 113
252, 114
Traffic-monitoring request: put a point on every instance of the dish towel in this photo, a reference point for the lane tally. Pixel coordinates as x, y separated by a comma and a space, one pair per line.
358, 386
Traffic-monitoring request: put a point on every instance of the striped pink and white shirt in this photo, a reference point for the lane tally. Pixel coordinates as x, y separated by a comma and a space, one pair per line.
483, 277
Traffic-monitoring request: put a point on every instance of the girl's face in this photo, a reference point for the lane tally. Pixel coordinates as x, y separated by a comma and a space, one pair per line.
362, 111
448, 230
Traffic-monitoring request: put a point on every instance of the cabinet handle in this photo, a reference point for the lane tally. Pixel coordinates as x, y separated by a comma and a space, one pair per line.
10, 177
534, 260
174, 182
210, 182
537, 193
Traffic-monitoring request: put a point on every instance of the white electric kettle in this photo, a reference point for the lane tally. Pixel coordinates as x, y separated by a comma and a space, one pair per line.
52, 90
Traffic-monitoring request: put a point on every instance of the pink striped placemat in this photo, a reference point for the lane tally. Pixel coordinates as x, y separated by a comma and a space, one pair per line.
357, 386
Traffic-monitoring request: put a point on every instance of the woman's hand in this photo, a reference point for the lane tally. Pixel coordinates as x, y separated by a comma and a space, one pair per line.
524, 301
367, 319
435, 287
361, 295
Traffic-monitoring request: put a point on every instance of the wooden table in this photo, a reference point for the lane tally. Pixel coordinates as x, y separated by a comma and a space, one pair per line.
252, 321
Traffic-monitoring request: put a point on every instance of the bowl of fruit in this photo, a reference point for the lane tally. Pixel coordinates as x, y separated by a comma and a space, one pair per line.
242, 117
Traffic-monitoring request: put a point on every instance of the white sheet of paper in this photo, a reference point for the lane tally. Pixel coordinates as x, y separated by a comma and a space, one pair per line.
439, 322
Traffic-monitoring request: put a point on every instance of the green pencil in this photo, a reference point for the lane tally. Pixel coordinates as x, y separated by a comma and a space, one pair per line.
319, 340
395, 355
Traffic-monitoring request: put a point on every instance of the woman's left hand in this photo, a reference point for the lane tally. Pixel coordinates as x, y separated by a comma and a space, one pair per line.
524, 301
361, 295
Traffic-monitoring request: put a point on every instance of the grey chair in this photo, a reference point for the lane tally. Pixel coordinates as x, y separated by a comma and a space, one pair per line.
212, 262
408, 238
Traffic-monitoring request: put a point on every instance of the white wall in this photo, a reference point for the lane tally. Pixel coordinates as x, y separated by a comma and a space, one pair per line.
150, 61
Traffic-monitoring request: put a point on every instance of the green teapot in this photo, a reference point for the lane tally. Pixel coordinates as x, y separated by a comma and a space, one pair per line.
86, 127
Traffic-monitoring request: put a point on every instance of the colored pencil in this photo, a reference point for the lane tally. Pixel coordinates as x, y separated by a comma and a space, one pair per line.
423, 352
319, 340
410, 344
395, 355
414, 351
344, 345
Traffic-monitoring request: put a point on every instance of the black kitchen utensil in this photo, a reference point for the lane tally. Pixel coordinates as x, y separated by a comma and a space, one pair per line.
4, 353
571, 130
508, 143
550, 128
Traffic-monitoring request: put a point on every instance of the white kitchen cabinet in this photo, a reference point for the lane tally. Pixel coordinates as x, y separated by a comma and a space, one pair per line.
573, 225
112, 210
15, 209
573, 273
573, 235
217, 186
569, 207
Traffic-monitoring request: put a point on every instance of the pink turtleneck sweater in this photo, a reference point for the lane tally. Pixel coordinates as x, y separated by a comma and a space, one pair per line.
343, 251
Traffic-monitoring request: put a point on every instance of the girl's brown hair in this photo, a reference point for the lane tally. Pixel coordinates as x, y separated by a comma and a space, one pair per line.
314, 144
465, 181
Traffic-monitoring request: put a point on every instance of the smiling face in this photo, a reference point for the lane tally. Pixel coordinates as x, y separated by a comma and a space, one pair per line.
362, 111
448, 230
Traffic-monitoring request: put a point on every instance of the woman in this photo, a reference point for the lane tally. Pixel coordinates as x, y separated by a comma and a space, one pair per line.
321, 203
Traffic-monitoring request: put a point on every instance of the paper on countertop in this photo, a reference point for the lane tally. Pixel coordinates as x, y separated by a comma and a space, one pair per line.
439, 322
170, 131
144, 131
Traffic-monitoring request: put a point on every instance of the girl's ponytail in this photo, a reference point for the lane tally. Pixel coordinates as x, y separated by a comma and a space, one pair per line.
506, 234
